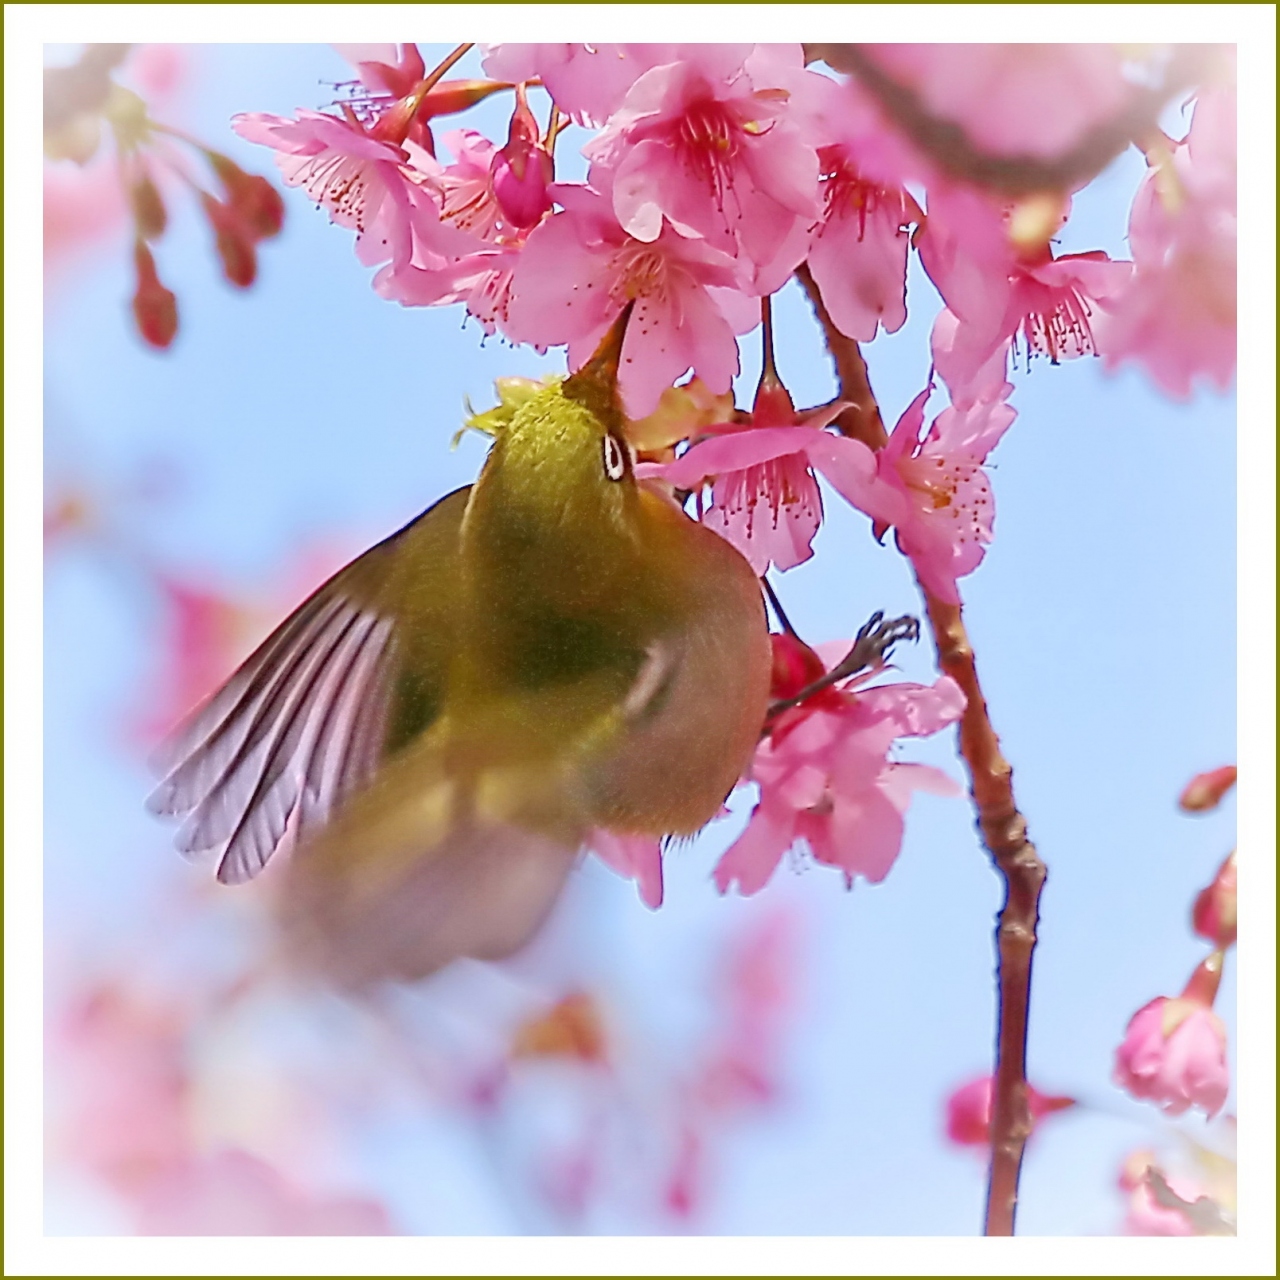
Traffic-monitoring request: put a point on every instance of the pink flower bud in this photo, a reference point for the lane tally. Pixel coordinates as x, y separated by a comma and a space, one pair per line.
1175, 1055
1214, 915
522, 170
969, 1111
155, 309
1205, 790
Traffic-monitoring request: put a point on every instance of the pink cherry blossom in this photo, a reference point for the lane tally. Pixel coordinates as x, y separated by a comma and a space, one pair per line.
362, 181
1178, 317
765, 497
716, 152
825, 779
859, 256
947, 498
638, 858
969, 1111
1017, 99
233, 1193
390, 69
1174, 1053
1000, 293
586, 81
579, 269
466, 188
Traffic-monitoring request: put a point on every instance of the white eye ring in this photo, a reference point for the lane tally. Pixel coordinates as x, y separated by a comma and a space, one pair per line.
615, 459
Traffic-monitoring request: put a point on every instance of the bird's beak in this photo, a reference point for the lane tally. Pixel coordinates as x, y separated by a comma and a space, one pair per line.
601, 371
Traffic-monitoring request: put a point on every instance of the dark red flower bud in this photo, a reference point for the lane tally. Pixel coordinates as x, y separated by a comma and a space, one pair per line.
155, 309
795, 666
233, 241
252, 196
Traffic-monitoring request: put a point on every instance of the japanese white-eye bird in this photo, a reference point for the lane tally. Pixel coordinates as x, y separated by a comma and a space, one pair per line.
435, 731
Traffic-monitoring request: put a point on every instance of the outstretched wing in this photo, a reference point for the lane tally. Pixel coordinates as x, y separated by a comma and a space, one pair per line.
305, 721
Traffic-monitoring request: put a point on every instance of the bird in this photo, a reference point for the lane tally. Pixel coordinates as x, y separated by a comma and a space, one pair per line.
430, 739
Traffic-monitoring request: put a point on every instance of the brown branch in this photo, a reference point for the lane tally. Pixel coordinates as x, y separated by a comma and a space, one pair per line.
1004, 832
861, 421
949, 148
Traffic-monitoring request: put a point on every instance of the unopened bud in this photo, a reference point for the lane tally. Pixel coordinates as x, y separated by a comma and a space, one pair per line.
155, 309
795, 666
149, 214
1205, 790
522, 170
1214, 915
255, 200
233, 242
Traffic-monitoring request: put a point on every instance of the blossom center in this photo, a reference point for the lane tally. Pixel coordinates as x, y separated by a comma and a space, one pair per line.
1060, 327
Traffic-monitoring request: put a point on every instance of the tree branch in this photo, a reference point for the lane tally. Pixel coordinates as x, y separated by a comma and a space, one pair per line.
1003, 829
1004, 832
949, 148
861, 421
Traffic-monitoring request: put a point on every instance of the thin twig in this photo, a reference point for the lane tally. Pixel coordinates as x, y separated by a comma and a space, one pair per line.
948, 147
861, 421
1003, 829
1004, 832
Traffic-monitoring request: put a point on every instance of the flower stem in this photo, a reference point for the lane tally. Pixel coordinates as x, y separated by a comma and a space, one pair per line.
861, 421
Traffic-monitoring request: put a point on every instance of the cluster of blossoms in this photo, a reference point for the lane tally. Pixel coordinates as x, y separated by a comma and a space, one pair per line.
714, 174
82, 101
1174, 1054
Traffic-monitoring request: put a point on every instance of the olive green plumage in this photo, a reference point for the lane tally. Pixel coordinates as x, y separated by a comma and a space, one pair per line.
439, 728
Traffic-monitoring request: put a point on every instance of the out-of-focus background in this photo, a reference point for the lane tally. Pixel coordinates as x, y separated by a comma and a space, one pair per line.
778, 1064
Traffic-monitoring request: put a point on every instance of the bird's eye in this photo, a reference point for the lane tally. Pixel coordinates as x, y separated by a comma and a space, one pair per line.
615, 457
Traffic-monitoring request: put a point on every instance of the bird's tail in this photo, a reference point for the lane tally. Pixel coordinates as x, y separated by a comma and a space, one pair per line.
438, 858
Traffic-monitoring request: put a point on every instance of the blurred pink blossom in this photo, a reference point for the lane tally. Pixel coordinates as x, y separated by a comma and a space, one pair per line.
1014, 99
586, 81
969, 1111
233, 1193
1174, 1053
1178, 317
119, 1085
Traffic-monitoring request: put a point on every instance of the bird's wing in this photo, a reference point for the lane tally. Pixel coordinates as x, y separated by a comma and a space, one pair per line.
304, 722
